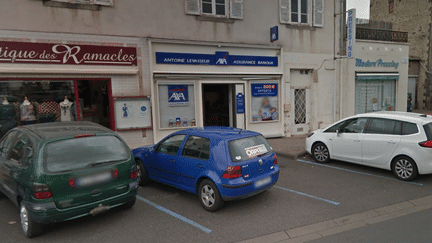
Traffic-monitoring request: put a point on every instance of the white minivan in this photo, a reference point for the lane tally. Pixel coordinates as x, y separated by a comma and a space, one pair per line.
396, 141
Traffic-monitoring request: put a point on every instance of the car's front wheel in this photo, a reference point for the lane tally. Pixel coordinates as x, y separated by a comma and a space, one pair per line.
143, 178
320, 153
404, 168
29, 226
209, 196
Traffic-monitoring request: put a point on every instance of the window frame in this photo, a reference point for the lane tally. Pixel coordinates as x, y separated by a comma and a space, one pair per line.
314, 12
233, 9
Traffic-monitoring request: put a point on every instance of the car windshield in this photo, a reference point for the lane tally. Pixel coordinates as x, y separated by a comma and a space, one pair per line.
72, 154
248, 148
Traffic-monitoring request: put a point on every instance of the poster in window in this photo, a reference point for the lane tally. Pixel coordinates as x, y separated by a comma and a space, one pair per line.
264, 102
178, 95
132, 113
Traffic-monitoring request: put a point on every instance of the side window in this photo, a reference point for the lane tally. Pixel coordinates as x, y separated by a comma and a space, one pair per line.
197, 147
409, 128
335, 127
356, 125
20, 150
384, 126
6, 144
171, 145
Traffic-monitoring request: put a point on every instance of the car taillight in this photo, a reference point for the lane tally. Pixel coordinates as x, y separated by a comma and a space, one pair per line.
275, 160
134, 172
115, 173
41, 191
72, 182
232, 172
84, 135
426, 144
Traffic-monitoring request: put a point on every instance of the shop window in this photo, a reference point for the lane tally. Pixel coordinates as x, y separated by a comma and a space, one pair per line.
264, 101
176, 105
215, 8
375, 95
302, 12
28, 102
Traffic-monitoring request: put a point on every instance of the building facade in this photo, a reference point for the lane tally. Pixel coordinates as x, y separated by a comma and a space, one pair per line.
413, 17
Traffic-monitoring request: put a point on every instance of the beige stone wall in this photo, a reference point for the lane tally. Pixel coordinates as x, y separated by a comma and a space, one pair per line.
413, 17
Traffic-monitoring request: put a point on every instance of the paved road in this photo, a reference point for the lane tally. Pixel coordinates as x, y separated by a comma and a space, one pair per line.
307, 197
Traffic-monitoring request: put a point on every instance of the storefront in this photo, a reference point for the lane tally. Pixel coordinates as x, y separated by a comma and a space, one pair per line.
377, 78
63, 78
211, 84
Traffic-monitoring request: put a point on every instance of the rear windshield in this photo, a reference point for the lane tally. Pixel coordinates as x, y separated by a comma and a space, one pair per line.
78, 153
428, 131
248, 148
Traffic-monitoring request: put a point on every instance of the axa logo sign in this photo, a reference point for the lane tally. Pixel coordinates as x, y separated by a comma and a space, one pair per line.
221, 57
178, 95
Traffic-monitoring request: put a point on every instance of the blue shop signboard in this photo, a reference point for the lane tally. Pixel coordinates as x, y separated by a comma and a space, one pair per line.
222, 58
178, 95
265, 89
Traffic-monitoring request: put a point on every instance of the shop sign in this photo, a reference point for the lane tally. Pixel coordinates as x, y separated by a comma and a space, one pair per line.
219, 59
378, 63
265, 89
240, 103
47, 53
178, 95
274, 34
351, 32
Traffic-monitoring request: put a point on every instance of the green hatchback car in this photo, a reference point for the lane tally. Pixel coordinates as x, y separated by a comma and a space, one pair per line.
65, 170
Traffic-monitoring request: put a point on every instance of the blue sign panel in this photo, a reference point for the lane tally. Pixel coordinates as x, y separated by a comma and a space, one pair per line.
265, 89
240, 103
274, 34
178, 95
219, 58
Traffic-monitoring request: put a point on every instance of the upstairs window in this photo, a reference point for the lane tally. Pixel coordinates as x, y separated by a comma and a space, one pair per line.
302, 12
215, 8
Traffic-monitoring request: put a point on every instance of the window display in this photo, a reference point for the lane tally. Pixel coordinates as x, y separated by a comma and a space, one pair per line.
176, 105
132, 113
264, 101
375, 95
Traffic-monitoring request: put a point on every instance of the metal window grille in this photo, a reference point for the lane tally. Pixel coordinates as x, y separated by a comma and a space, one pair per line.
300, 106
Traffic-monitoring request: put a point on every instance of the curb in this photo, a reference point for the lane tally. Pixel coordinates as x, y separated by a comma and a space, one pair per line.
291, 155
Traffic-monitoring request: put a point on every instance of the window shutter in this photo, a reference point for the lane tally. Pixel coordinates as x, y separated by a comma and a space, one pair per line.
318, 16
236, 9
193, 7
284, 11
104, 2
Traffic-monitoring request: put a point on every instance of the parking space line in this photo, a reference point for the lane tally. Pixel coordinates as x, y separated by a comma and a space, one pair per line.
178, 216
358, 172
307, 195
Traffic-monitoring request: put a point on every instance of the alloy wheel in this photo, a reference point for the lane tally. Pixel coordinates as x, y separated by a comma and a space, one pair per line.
208, 196
24, 218
321, 153
404, 169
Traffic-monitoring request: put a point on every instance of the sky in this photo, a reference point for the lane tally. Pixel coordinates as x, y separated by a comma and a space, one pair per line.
361, 6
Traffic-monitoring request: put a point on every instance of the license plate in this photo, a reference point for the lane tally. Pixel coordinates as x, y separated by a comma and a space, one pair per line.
262, 182
93, 179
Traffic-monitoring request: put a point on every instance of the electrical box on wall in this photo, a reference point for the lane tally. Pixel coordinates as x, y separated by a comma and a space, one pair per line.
287, 107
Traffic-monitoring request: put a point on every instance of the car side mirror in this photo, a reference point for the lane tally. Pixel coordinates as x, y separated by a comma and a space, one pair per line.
152, 149
338, 131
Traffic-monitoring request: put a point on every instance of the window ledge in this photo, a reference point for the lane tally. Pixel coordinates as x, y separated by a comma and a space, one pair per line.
300, 26
72, 5
215, 19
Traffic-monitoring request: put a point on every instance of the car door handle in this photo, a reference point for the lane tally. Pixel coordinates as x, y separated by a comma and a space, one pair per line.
172, 161
199, 166
357, 140
391, 142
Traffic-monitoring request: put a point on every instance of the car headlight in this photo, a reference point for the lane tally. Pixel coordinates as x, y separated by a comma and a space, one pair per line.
310, 135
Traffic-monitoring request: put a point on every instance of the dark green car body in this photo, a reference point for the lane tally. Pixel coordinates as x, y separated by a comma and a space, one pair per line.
65, 170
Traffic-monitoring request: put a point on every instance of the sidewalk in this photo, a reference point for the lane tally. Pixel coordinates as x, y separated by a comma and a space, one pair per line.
289, 147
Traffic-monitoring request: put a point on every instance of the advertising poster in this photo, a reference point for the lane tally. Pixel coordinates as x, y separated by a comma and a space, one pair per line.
178, 95
132, 113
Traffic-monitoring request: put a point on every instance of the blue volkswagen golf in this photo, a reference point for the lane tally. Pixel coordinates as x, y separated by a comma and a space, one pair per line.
216, 163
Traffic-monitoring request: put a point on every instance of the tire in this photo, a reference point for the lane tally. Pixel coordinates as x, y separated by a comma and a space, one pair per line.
129, 204
404, 168
143, 178
320, 153
28, 225
209, 196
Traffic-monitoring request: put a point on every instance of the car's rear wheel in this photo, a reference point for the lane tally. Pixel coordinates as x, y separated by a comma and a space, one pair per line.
29, 226
209, 196
143, 178
320, 153
129, 204
404, 168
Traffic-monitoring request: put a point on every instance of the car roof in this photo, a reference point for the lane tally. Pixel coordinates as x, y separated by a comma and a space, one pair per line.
55, 130
222, 133
399, 115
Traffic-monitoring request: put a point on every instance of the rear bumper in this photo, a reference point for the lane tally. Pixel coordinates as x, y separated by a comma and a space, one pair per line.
247, 189
48, 212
